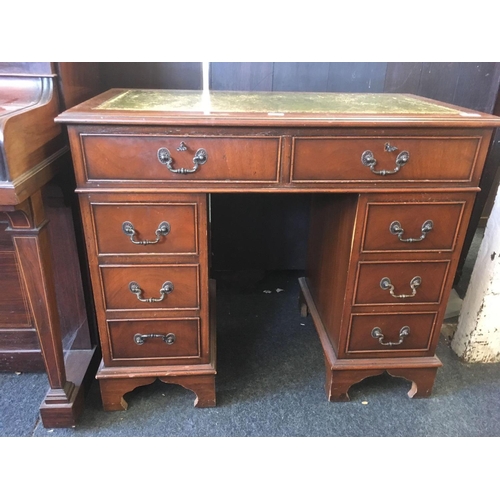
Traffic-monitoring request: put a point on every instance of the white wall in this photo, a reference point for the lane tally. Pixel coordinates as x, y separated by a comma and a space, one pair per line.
477, 338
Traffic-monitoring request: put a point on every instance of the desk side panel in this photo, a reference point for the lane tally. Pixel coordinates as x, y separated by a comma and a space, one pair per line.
329, 254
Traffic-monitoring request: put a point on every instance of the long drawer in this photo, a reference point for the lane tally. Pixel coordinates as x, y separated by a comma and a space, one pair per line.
387, 159
179, 158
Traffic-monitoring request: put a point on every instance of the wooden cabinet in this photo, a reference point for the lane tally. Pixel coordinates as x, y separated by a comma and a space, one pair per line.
44, 323
393, 179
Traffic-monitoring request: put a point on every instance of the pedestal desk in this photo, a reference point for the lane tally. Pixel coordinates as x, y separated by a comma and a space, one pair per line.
393, 178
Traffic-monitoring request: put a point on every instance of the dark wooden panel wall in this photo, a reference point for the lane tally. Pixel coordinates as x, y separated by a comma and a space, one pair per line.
468, 84
300, 77
473, 85
78, 82
152, 75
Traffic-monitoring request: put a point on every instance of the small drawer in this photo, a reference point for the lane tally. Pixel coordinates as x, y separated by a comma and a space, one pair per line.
135, 228
407, 227
157, 340
409, 282
383, 159
390, 333
151, 287
179, 158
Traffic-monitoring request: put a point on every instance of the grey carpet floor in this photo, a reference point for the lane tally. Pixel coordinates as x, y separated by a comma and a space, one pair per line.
270, 382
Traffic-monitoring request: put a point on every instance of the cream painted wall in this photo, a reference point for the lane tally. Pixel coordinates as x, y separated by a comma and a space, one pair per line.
477, 338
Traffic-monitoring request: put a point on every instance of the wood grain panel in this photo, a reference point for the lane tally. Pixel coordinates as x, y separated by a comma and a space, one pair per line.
146, 219
361, 341
18, 340
445, 217
31, 137
6, 244
339, 158
134, 157
329, 254
30, 361
14, 309
369, 292
186, 345
68, 280
185, 279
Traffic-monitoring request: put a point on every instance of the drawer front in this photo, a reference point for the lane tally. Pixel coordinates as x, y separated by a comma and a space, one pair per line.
400, 283
161, 228
156, 340
374, 333
136, 158
422, 159
406, 227
151, 287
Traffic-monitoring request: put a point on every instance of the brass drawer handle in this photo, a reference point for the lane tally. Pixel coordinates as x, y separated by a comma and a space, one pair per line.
403, 333
140, 339
166, 288
165, 157
368, 160
395, 228
129, 230
385, 284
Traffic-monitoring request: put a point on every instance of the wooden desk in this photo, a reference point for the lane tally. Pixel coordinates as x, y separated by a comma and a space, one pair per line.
393, 176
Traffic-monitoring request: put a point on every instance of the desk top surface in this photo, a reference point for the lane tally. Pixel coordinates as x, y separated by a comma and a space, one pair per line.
132, 106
